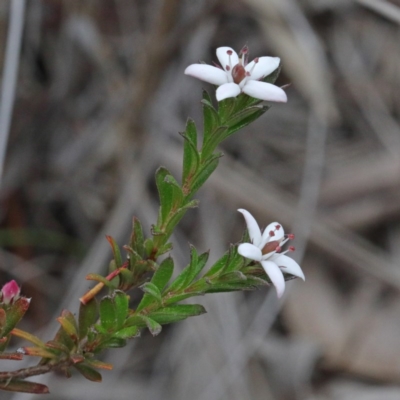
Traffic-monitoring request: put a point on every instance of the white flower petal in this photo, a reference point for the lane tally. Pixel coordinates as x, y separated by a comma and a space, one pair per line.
225, 59
264, 91
263, 67
250, 251
252, 227
278, 233
288, 265
276, 276
227, 90
207, 73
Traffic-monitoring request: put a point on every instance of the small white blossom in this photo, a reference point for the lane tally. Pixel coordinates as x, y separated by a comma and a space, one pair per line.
266, 249
237, 76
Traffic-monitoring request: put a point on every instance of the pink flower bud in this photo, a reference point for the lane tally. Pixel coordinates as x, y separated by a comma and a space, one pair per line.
10, 292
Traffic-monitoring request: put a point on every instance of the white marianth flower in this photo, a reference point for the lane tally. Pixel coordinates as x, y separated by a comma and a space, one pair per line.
266, 249
237, 76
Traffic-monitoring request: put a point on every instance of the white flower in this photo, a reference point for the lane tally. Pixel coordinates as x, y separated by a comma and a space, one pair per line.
266, 247
236, 75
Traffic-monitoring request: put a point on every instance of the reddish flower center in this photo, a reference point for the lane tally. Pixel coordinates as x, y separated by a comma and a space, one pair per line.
273, 245
238, 73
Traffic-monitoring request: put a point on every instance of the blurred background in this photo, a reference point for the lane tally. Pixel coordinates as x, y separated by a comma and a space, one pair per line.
99, 100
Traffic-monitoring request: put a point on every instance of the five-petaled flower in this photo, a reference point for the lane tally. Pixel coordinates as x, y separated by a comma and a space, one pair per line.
237, 75
266, 249
9, 292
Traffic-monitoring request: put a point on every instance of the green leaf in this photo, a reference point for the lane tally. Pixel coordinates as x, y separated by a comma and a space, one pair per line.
116, 251
179, 214
88, 372
137, 239
232, 277
163, 273
164, 249
152, 290
59, 347
153, 326
210, 117
98, 364
63, 338
87, 317
219, 134
141, 321
17, 385
159, 280
181, 296
14, 314
246, 117
68, 323
230, 287
205, 173
218, 265
170, 193
112, 343
191, 157
234, 262
127, 333
121, 301
108, 314
100, 278
176, 313
226, 108
186, 277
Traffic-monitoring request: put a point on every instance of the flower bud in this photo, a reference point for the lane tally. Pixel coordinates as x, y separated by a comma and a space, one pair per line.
10, 292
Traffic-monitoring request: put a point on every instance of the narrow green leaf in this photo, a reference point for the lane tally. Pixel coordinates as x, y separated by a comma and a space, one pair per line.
205, 173
88, 372
159, 279
98, 364
218, 265
247, 120
153, 326
108, 314
53, 345
100, 278
135, 320
189, 273
169, 192
137, 239
232, 277
234, 262
24, 387
116, 251
176, 313
191, 157
121, 307
179, 214
226, 108
152, 290
219, 134
38, 352
210, 117
230, 287
128, 332
164, 249
112, 343
68, 328
87, 317
181, 296
163, 273
15, 314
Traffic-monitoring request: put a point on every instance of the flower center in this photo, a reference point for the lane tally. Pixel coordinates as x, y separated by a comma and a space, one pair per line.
238, 73
271, 246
